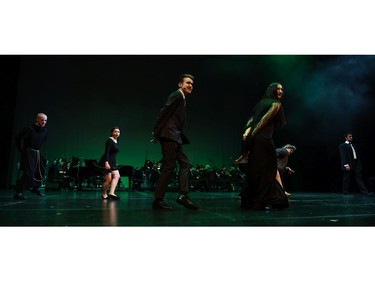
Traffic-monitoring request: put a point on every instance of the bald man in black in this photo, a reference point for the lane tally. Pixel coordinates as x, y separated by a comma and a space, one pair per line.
29, 141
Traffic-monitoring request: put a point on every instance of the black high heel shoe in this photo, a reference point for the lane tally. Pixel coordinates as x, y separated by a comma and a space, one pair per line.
114, 197
104, 198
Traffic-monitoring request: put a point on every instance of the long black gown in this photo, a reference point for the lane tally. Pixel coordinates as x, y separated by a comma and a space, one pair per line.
263, 190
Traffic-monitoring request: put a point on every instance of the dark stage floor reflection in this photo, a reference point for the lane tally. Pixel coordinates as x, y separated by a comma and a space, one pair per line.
86, 208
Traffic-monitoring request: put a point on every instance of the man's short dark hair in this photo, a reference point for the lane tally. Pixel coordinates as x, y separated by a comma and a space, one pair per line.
185, 75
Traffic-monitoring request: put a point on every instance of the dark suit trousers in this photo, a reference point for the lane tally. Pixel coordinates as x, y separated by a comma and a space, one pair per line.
355, 171
31, 170
173, 152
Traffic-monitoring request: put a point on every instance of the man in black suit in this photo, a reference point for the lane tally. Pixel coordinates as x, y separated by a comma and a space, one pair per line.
351, 166
168, 131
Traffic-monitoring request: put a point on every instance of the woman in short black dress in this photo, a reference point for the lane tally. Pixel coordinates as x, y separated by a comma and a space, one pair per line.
108, 161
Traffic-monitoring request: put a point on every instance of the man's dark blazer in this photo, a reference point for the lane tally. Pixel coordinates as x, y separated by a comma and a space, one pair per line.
347, 157
172, 119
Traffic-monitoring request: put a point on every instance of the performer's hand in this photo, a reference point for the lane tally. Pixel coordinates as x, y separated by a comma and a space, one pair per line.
289, 170
154, 139
241, 159
246, 133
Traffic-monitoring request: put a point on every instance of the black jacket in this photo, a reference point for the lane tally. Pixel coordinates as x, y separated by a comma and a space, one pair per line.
171, 120
347, 157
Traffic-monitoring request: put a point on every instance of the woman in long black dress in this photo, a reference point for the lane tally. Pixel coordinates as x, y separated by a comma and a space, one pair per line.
263, 192
108, 161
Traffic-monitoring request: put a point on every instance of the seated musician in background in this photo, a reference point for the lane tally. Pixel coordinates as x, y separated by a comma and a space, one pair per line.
73, 174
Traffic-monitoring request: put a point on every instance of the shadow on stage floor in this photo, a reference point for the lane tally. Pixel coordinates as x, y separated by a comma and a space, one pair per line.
86, 208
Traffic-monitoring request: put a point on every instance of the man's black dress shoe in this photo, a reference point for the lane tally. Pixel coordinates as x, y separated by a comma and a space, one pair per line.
161, 205
186, 202
368, 194
19, 196
267, 207
37, 191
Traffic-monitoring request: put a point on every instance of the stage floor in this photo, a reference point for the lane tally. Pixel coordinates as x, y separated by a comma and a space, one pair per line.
86, 208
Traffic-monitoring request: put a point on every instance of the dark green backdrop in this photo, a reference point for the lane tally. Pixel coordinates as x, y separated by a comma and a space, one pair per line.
84, 96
